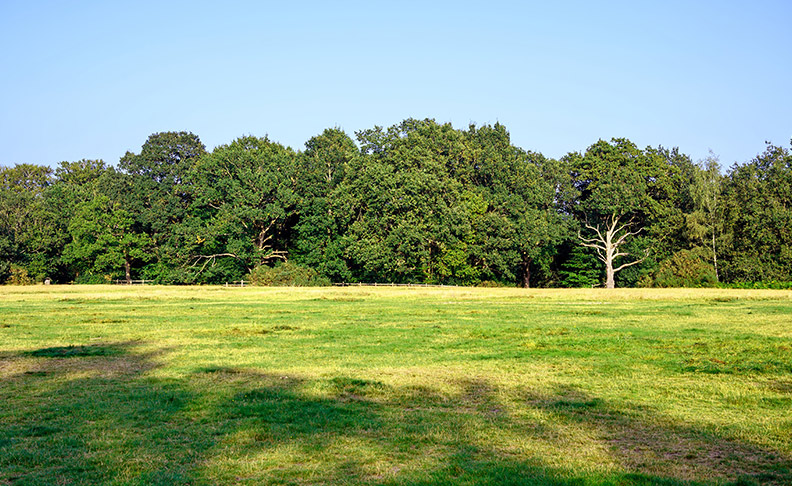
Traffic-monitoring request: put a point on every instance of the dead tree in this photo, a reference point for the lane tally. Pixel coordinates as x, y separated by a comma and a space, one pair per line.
607, 245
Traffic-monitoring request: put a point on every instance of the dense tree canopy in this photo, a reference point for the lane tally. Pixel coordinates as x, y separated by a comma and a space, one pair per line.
623, 192
757, 205
243, 200
418, 202
318, 241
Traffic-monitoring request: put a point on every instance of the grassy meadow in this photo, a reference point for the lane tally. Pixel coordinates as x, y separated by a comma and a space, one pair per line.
394, 386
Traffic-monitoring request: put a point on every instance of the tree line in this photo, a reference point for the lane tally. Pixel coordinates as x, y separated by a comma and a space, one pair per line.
418, 202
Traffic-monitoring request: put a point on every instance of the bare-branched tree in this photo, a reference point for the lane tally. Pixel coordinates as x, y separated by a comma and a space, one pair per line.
607, 243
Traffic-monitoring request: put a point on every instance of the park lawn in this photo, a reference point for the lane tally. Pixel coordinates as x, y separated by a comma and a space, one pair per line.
394, 386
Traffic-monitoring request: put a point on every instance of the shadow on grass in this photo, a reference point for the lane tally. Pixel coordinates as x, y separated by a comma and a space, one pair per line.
77, 351
659, 447
106, 418
87, 415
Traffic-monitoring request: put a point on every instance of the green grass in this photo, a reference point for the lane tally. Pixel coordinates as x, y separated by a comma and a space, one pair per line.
404, 386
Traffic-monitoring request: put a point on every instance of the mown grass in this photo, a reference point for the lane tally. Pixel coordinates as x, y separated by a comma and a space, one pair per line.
405, 386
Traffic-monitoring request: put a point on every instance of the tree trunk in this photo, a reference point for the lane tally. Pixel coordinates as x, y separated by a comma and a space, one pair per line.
610, 282
715, 257
128, 271
526, 281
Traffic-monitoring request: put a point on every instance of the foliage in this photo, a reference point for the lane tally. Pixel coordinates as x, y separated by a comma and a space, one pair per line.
287, 274
156, 190
622, 192
438, 205
687, 268
522, 225
705, 222
27, 229
18, 275
417, 202
580, 270
318, 232
104, 241
403, 206
243, 202
757, 201
165, 159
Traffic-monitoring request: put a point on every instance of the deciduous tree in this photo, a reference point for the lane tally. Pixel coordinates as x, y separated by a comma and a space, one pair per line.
705, 222
757, 202
157, 195
243, 204
621, 190
104, 243
319, 230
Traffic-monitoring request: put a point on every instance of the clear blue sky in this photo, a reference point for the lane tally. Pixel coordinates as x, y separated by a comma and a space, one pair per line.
94, 79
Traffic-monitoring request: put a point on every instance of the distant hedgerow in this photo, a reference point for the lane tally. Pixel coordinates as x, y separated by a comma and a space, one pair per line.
287, 274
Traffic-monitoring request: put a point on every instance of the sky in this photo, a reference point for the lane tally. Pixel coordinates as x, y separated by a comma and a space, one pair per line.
92, 80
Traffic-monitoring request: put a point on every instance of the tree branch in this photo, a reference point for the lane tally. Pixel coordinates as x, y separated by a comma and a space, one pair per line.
621, 239
262, 237
595, 229
646, 255
591, 243
210, 258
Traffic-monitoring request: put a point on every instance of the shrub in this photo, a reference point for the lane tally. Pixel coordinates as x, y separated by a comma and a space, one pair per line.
580, 270
92, 278
5, 270
768, 284
493, 284
287, 274
686, 268
19, 276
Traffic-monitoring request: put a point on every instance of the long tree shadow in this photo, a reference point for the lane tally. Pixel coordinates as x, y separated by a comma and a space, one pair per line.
357, 427
88, 415
101, 415
652, 445
423, 438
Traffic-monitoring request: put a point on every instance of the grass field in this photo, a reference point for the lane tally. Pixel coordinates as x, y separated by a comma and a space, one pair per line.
404, 386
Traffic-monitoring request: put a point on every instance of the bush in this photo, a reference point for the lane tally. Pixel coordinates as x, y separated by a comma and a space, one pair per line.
92, 279
493, 284
287, 274
686, 268
5, 271
769, 284
19, 276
